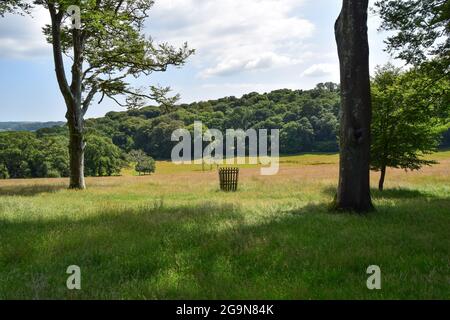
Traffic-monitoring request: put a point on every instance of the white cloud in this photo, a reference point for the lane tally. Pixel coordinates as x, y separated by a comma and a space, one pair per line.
21, 36
322, 70
230, 36
237, 89
247, 87
233, 36
266, 60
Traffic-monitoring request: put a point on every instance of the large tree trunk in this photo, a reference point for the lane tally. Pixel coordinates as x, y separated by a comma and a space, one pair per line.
76, 147
76, 151
75, 116
72, 95
353, 48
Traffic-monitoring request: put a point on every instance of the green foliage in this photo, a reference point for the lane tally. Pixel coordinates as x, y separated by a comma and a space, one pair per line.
135, 156
102, 157
408, 118
308, 120
23, 155
297, 136
146, 165
105, 50
28, 126
114, 47
45, 154
445, 142
14, 6
421, 28
4, 174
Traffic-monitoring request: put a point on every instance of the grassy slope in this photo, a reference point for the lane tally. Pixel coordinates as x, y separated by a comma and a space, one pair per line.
176, 236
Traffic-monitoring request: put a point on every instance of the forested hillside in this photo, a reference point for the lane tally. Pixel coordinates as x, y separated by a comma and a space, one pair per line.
307, 119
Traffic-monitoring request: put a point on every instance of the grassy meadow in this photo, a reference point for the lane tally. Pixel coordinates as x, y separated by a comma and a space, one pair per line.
174, 235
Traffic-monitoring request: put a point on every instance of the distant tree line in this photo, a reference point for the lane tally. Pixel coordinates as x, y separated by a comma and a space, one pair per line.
45, 155
307, 119
28, 126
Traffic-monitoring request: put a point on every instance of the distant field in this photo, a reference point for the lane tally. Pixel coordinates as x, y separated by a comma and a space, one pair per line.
167, 167
173, 235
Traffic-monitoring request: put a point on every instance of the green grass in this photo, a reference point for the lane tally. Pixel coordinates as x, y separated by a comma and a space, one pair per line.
168, 167
175, 236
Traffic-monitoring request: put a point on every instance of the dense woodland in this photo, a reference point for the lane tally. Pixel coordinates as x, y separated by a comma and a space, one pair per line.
308, 120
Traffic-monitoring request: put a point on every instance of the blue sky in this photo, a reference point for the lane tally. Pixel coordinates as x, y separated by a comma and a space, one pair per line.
241, 46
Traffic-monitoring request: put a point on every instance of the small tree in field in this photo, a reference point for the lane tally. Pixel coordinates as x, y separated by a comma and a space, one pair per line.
143, 163
411, 108
135, 156
146, 165
407, 119
105, 50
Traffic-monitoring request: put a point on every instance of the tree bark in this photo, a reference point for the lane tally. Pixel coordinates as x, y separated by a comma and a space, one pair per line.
72, 96
75, 116
353, 49
382, 177
76, 152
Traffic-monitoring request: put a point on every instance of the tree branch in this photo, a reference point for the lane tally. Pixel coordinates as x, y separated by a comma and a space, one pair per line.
88, 99
56, 18
115, 100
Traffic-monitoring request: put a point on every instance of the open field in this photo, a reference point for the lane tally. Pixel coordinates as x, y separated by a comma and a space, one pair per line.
173, 235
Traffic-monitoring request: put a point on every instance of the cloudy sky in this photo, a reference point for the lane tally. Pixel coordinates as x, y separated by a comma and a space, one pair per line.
241, 46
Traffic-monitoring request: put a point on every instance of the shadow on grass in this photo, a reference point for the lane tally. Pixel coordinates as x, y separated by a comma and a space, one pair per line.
395, 193
30, 190
114, 247
309, 208
213, 251
400, 193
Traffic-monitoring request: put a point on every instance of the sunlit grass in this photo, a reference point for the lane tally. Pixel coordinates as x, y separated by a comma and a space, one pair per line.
175, 235
169, 167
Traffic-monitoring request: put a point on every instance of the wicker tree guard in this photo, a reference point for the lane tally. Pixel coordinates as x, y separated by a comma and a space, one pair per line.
228, 179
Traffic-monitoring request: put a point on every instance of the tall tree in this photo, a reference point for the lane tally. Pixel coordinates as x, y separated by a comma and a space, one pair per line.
407, 118
353, 48
107, 49
419, 35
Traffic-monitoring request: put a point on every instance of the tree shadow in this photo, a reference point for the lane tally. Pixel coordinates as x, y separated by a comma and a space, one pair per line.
394, 193
30, 190
399, 193
128, 245
207, 250
309, 208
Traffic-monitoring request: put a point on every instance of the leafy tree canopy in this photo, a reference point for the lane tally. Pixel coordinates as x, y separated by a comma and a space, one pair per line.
421, 29
409, 117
